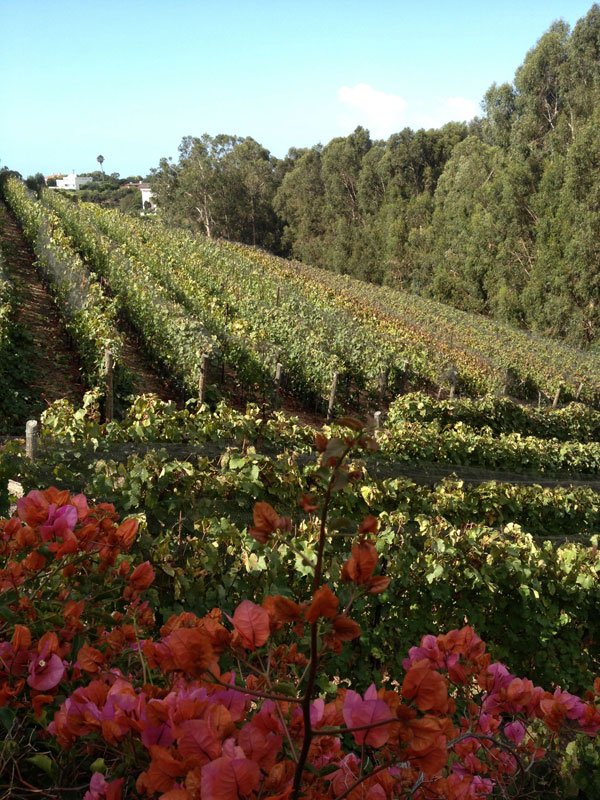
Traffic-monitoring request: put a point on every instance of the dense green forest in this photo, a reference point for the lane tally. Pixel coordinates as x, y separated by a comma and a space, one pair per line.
497, 216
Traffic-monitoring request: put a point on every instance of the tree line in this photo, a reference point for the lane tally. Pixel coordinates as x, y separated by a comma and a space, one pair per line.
500, 215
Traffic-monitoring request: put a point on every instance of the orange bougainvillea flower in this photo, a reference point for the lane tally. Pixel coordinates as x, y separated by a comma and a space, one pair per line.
554, 712
345, 628
266, 522
177, 794
369, 525
58, 497
142, 577
321, 442
360, 566
90, 659
39, 701
427, 747
163, 770
7, 693
229, 778
126, 533
191, 650
308, 504
280, 610
251, 622
33, 508
124, 569
21, 638
324, 604
426, 687
377, 584
197, 740
34, 561
25, 536
49, 642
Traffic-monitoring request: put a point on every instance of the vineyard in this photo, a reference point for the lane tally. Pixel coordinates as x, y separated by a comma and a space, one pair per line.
220, 600
250, 311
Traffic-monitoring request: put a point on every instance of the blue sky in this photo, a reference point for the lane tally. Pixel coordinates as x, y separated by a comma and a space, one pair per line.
128, 79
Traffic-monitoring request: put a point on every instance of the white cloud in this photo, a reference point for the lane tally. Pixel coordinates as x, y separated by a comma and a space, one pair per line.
384, 114
463, 109
381, 113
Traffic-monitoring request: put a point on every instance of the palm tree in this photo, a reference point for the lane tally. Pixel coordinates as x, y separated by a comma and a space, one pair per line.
100, 160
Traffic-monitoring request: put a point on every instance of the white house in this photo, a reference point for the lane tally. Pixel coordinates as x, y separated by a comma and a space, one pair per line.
146, 193
72, 181
147, 196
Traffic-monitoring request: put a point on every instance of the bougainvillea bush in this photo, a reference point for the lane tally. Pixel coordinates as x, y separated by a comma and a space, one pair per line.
98, 698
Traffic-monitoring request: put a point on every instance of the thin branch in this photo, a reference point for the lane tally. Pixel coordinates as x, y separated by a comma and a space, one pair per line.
314, 644
484, 736
332, 731
280, 698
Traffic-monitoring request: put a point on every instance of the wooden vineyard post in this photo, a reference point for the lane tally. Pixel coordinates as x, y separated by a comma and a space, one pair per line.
223, 354
277, 300
332, 396
277, 386
202, 378
556, 396
578, 395
510, 380
451, 375
383, 382
31, 439
453, 381
377, 420
109, 382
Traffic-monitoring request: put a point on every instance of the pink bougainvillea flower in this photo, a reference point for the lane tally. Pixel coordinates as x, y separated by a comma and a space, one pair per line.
317, 707
370, 711
589, 719
515, 732
101, 790
429, 649
60, 522
45, 671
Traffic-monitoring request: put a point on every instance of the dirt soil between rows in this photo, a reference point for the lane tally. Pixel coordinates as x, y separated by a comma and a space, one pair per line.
51, 359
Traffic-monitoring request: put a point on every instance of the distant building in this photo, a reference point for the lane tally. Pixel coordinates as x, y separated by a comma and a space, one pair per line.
72, 181
146, 194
